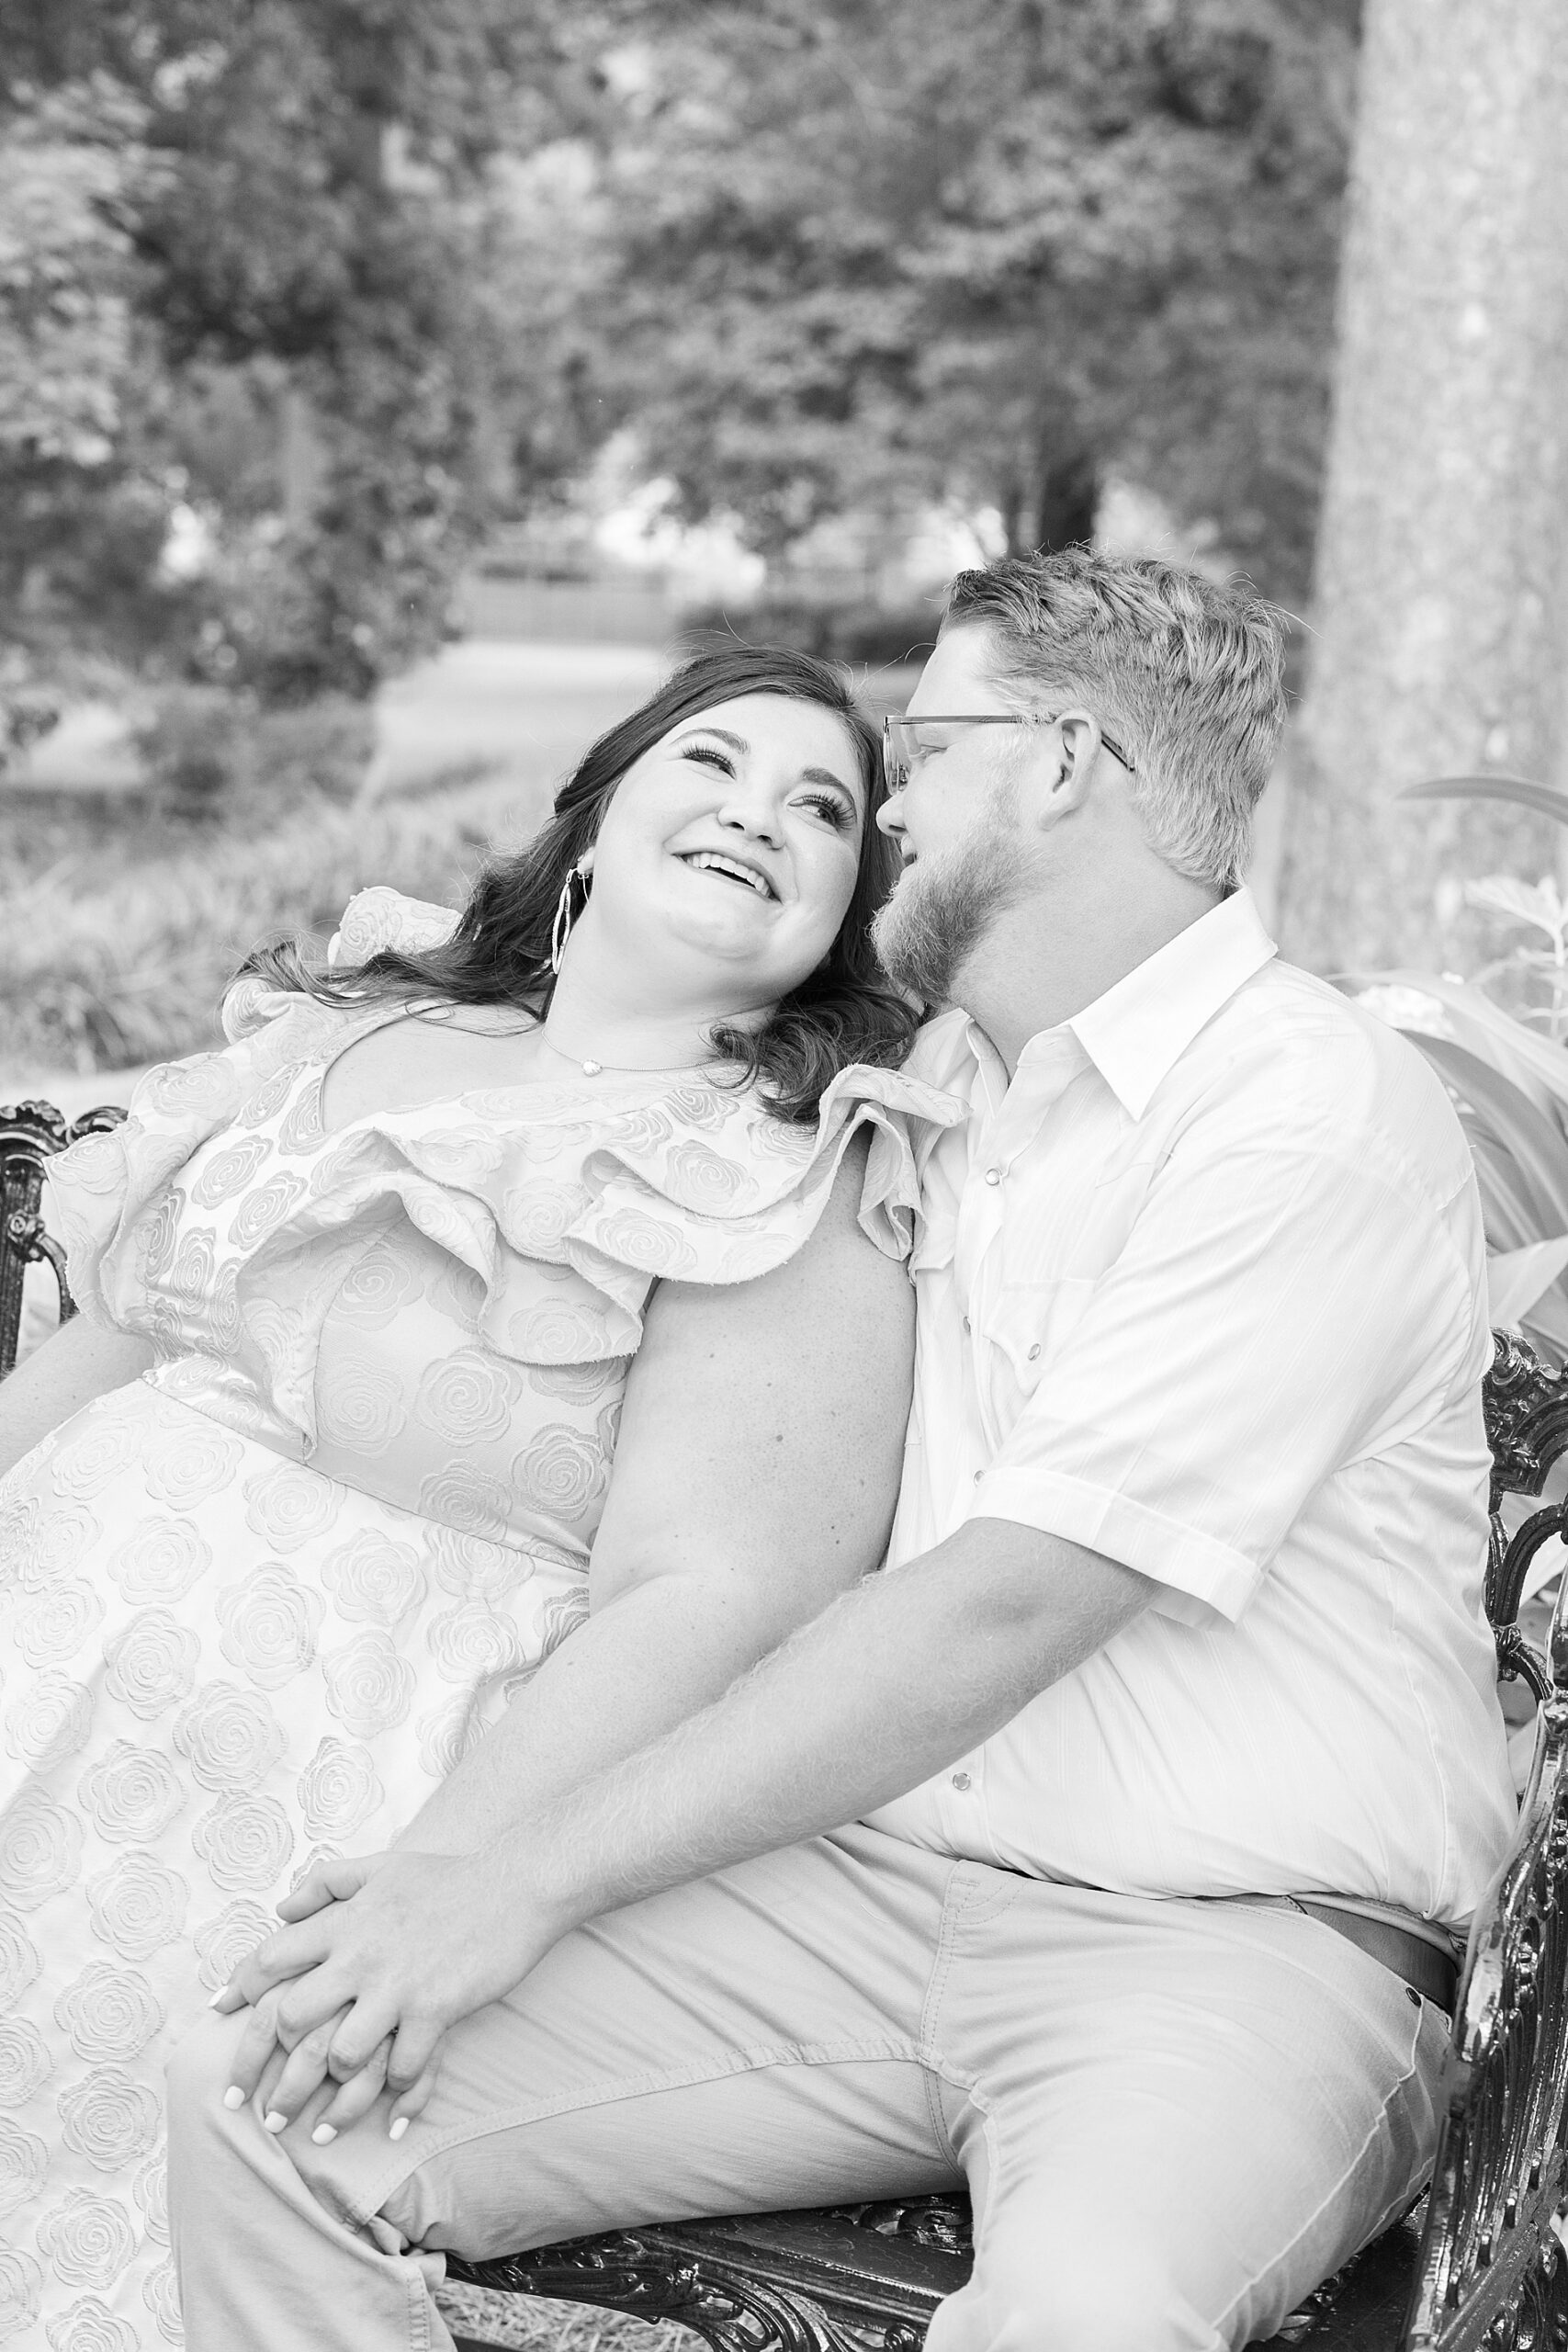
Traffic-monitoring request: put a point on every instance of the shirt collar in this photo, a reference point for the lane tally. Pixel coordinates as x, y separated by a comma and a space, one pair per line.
1138, 1031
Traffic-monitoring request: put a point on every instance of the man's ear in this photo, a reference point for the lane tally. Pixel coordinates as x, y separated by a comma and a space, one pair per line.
1068, 765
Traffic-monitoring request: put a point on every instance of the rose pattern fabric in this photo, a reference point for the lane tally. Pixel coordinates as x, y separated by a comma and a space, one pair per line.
339, 1789
19, 1962
108, 2012
245, 1841
160, 1563
110, 2117
372, 1581
24, 2062
269, 1624
254, 1606
151, 1663
89, 2239
90, 2327
229, 1738
24, 2162
49, 1720
133, 1793
138, 1905
53, 1625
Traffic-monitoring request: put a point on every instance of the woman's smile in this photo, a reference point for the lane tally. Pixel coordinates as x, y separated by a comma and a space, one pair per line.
725, 866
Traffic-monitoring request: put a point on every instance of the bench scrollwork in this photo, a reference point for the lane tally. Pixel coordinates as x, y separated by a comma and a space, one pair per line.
30, 1135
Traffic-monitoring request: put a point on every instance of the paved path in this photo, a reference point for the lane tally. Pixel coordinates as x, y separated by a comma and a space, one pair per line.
529, 707
492, 704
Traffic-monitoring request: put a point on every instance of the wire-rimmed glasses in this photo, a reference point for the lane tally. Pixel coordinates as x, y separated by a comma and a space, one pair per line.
906, 743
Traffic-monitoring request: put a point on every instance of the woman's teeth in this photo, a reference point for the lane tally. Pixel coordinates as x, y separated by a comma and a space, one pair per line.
708, 861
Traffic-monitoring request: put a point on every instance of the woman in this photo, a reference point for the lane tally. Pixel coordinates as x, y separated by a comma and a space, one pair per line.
309, 1488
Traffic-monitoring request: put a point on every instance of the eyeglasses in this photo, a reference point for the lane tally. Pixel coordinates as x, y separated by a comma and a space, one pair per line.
906, 742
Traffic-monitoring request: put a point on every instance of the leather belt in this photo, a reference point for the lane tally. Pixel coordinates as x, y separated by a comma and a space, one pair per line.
1422, 1966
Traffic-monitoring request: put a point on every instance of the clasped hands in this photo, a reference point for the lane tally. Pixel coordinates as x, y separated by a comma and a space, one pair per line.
379, 1957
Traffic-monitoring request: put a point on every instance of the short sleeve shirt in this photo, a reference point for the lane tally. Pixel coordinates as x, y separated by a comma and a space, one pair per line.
1202, 1289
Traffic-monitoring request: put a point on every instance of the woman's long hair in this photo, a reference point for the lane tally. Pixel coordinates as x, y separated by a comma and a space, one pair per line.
844, 1012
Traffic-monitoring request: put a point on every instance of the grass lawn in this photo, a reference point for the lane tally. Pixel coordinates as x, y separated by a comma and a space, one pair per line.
534, 2326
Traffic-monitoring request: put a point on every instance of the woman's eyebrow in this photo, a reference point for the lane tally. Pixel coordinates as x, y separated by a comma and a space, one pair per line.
736, 742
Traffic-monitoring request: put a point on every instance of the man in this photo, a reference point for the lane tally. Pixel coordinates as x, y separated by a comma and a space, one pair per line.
1169, 1737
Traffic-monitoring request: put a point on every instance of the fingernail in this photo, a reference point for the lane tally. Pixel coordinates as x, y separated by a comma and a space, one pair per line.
395, 2130
233, 2097
323, 2133
218, 1997
273, 2122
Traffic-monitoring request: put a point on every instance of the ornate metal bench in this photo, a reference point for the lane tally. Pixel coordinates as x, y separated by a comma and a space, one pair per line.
31, 1134
1478, 2263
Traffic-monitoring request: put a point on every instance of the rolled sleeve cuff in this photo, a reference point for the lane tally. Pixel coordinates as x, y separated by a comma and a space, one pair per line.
1197, 1579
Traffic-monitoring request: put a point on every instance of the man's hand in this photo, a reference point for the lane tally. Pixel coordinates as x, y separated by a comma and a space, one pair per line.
382, 1954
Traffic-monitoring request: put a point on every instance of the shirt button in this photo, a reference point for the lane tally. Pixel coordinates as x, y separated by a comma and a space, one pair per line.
967, 1325
993, 1175
978, 1475
961, 1783
1033, 1352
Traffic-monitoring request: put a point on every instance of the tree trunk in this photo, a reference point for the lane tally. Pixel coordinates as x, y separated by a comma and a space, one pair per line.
1068, 496
1441, 593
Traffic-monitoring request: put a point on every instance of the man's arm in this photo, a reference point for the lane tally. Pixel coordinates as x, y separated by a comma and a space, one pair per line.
79, 1361
895, 1679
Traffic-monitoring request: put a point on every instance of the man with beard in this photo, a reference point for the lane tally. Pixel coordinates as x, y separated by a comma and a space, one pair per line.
1169, 1737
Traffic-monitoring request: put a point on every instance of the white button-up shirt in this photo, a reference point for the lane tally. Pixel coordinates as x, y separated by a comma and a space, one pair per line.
1204, 1289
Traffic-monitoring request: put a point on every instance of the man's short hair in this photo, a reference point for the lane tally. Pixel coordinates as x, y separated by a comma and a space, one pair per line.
1187, 674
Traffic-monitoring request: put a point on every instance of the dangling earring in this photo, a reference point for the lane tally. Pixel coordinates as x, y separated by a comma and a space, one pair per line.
561, 930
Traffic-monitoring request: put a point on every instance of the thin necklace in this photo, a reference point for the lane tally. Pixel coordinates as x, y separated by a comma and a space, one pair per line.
591, 1068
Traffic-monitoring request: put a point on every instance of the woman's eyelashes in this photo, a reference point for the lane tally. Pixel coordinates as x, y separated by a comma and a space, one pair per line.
706, 752
831, 807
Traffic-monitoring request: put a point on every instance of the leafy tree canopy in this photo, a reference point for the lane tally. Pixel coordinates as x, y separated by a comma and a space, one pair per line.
325, 283
874, 248
242, 254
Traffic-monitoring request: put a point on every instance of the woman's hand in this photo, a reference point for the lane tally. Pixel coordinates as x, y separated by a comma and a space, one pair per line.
381, 1956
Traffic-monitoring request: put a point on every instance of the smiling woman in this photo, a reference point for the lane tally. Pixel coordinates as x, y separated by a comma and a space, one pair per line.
485, 1296
754, 755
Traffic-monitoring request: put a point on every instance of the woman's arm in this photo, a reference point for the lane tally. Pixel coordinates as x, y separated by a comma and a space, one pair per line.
754, 1481
762, 1441
74, 1365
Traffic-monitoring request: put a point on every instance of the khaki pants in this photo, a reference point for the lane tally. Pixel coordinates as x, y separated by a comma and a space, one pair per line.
1174, 2117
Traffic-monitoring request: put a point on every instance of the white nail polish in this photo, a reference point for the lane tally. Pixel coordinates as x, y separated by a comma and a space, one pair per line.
218, 1997
273, 2122
395, 2130
234, 2097
324, 2134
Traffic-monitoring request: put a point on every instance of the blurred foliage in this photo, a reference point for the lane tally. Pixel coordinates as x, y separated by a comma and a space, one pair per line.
102, 969
248, 351
1508, 1083
297, 296
901, 250
212, 756
836, 628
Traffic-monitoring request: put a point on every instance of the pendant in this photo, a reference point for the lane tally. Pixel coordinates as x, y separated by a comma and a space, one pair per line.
591, 1069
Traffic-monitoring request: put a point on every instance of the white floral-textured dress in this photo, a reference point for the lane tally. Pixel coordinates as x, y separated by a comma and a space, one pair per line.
254, 1606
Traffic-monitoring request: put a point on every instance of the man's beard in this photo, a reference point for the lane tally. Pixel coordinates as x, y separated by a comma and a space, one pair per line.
938, 914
